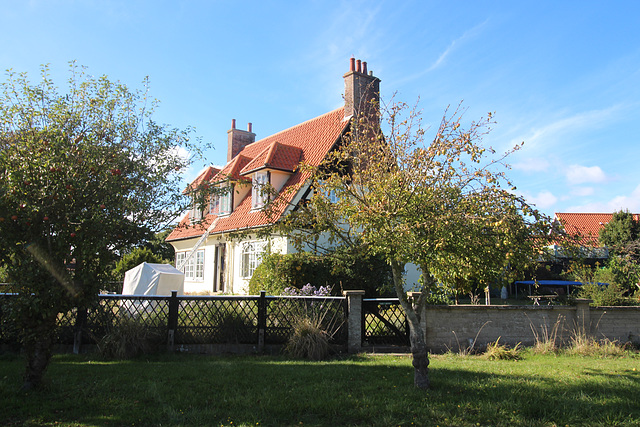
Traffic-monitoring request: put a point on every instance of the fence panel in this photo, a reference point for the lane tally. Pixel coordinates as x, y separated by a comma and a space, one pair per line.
384, 322
217, 320
283, 312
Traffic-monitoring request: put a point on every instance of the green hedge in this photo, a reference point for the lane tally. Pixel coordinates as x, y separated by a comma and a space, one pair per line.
343, 269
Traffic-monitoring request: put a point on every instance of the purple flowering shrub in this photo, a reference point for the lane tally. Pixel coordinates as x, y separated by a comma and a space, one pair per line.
307, 291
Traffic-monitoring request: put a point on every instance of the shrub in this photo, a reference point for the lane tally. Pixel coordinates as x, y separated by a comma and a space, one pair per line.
603, 295
232, 327
343, 269
279, 271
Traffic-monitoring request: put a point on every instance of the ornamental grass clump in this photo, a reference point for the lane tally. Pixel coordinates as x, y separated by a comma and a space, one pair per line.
309, 340
547, 340
309, 322
497, 351
583, 345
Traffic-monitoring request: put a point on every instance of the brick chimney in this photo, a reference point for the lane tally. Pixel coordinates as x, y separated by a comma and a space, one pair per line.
361, 90
238, 139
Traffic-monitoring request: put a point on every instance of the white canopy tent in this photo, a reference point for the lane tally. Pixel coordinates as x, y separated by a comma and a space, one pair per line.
153, 279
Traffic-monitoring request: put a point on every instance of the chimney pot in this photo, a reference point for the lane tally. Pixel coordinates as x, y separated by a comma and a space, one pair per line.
364, 67
233, 123
352, 65
359, 66
249, 127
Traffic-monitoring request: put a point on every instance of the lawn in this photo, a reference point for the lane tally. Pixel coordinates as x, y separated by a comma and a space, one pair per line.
364, 390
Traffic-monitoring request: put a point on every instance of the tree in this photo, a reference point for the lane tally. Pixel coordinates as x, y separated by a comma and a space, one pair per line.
158, 245
440, 205
83, 174
622, 230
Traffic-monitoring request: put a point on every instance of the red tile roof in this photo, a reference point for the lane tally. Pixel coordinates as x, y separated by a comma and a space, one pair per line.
586, 225
307, 142
275, 156
232, 169
204, 176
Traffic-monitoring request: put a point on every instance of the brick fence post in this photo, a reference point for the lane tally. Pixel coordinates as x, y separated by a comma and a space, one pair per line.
354, 320
583, 316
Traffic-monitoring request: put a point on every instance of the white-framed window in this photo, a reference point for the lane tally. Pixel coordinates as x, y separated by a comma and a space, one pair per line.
221, 203
194, 268
197, 211
251, 257
259, 195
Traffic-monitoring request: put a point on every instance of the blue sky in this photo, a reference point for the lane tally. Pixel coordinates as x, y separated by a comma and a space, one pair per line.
564, 77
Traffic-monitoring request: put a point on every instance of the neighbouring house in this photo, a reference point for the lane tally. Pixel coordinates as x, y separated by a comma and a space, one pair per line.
586, 227
211, 259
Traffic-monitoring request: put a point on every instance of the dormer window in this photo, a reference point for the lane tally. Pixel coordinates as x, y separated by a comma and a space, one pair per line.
221, 203
259, 194
197, 211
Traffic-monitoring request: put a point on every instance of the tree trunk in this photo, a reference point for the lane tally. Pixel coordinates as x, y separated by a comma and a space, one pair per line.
38, 346
416, 334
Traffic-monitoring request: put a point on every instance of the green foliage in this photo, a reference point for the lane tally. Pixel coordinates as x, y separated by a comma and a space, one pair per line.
620, 275
620, 231
84, 174
4, 277
280, 271
160, 247
135, 257
232, 327
603, 295
342, 269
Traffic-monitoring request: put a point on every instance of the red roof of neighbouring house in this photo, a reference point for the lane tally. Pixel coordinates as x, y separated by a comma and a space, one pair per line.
308, 142
586, 225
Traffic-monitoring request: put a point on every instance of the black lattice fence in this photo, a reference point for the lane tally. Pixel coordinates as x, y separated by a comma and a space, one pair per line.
384, 322
186, 320
217, 320
282, 313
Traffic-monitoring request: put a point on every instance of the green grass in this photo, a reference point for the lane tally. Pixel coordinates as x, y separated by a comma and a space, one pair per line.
192, 390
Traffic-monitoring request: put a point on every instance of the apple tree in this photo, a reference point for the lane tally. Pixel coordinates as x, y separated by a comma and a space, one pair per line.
84, 172
445, 205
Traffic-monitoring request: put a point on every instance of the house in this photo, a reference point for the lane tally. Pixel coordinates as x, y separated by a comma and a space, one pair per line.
211, 259
586, 228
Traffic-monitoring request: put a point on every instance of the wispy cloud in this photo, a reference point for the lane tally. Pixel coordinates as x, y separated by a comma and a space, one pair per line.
629, 202
577, 174
532, 164
582, 191
542, 200
467, 35
550, 133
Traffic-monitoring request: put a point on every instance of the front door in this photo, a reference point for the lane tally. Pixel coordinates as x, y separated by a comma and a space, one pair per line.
218, 275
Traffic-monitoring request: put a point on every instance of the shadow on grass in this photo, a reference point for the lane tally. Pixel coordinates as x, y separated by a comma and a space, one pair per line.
201, 390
